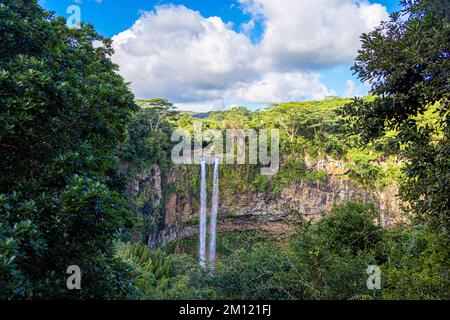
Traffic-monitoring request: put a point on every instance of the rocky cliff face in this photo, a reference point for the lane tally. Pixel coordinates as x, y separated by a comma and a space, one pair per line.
257, 210
145, 184
312, 199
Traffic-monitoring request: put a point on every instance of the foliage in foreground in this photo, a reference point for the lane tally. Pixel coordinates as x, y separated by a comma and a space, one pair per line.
63, 110
324, 260
407, 62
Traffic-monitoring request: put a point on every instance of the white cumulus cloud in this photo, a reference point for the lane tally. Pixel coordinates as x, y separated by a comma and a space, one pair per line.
175, 52
312, 33
201, 63
279, 87
355, 90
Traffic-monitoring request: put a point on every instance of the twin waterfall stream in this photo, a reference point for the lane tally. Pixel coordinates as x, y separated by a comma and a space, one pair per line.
213, 219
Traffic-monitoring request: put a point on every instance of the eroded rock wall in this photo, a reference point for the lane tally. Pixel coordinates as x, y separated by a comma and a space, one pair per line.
310, 199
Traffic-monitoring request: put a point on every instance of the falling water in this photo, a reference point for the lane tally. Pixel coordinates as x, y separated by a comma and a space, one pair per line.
214, 207
202, 252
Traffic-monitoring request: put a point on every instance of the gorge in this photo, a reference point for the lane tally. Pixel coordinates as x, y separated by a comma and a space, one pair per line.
260, 210
90, 185
311, 180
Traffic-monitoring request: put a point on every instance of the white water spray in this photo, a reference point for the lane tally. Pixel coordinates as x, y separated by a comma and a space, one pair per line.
214, 208
202, 251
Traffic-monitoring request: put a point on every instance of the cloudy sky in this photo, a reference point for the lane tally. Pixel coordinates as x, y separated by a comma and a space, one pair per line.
213, 54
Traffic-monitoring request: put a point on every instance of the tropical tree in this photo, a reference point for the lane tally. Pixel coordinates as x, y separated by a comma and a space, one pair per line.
406, 60
64, 108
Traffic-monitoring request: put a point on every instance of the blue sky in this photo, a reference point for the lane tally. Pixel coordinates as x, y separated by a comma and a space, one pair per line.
254, 52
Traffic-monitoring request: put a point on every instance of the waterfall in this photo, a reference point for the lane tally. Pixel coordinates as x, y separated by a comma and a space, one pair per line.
202, 251
214, 208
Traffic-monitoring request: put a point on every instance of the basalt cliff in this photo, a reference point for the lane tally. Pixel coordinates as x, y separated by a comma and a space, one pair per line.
172, 199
